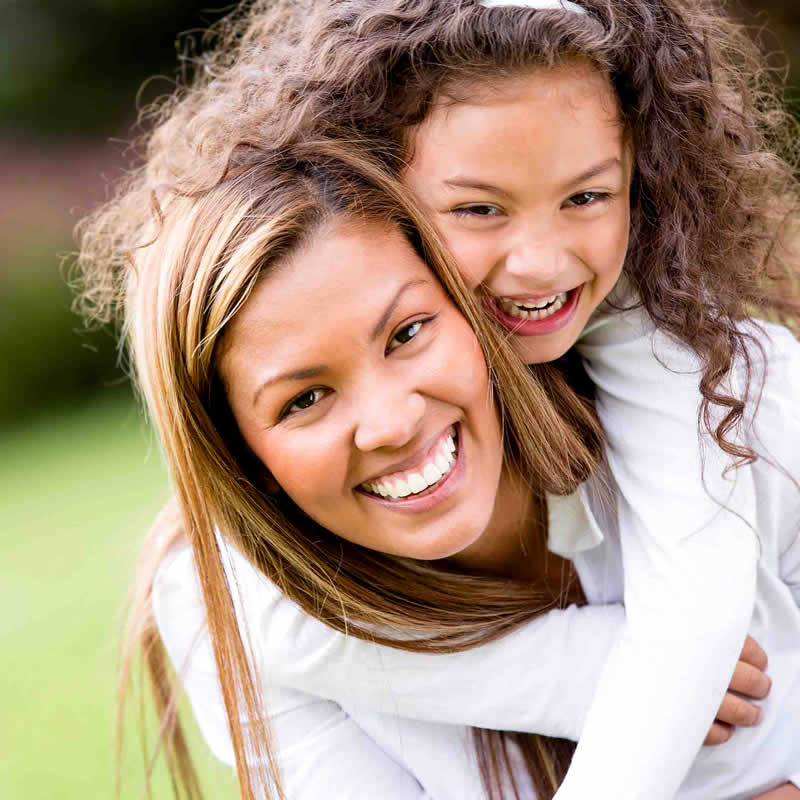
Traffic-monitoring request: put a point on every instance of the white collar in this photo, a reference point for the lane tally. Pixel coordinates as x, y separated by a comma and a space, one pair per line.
572, 526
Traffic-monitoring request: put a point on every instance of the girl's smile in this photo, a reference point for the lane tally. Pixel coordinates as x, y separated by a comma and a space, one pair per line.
365, 394
537, 316
529, 186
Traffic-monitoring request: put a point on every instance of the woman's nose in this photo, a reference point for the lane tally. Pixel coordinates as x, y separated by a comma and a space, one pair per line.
388, 418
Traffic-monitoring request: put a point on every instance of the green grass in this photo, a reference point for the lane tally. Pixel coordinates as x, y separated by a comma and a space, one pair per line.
79, 491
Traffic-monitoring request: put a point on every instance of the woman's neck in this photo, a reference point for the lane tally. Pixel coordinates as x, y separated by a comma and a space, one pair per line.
513, 545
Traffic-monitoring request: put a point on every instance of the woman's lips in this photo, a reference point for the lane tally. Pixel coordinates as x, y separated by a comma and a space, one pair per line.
431, 496
551, 323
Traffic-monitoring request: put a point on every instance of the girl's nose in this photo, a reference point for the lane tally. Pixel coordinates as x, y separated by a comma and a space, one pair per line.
389, 419
536, 259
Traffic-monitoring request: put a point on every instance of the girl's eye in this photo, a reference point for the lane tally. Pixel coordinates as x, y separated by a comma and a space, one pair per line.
303, 401
478, 210
587, 199
406, 334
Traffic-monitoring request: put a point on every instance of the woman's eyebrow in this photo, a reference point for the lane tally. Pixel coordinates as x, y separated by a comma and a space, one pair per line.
293, 375
314, 372
386, 316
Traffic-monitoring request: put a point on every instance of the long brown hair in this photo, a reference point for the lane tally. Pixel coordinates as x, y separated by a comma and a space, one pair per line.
175, 260
714, 202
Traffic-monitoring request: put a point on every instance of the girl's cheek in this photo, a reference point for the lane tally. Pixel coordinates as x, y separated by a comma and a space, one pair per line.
472, 261
471, 254
611, 243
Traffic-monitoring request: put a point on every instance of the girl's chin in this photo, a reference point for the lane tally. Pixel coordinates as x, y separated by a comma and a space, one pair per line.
540, 352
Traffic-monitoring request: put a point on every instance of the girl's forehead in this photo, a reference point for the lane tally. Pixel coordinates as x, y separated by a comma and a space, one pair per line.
555, 122
570, 81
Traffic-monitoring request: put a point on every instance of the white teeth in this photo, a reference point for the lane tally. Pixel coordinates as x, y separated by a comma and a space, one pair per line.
416, 483
541, 309
436, 468
431, 474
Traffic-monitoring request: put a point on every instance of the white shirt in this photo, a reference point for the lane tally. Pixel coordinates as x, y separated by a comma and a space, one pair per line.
368, 720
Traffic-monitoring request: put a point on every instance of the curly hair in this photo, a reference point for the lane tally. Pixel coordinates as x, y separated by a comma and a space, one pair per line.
714, 198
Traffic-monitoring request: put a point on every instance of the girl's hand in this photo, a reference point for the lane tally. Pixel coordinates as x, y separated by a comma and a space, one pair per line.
786, 792
749, 679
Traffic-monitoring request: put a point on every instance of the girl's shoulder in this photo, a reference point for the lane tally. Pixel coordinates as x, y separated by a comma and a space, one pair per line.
621, 330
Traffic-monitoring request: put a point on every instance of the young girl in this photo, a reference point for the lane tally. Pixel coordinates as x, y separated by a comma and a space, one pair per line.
282, 412
537, 139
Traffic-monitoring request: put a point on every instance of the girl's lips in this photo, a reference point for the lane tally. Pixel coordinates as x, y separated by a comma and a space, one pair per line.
539, 327
430, 498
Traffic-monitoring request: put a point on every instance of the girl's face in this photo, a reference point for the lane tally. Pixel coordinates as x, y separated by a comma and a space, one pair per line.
529, 185
365, 394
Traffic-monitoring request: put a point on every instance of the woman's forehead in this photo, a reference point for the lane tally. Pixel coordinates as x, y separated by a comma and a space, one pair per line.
341, 284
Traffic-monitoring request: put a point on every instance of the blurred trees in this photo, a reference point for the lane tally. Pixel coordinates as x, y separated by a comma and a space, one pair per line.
74, 66
70, 75
70, 79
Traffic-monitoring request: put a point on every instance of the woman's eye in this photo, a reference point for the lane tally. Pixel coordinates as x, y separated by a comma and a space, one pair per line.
478, 210
406, 334
303, 401
587, 199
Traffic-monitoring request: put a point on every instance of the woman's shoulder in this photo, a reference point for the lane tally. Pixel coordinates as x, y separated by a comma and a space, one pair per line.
287, 640
177, 581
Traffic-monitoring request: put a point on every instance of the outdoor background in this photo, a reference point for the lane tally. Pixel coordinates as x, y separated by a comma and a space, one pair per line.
80, 474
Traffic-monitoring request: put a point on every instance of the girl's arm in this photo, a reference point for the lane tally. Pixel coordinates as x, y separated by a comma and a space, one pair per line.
689, 567
362, 753
538, 679
549, 668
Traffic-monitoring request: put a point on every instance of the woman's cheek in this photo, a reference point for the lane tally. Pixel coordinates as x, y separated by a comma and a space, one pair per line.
468, 373
297, 460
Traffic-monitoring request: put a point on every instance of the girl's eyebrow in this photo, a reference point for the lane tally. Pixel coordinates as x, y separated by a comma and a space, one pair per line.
466, 182
315, 371
597, 169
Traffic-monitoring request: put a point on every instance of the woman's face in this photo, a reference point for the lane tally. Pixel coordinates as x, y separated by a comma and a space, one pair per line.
365, 394
529, 186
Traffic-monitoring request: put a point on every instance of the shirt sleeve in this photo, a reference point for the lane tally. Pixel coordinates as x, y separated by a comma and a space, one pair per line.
537, 679
689, 556
321, 751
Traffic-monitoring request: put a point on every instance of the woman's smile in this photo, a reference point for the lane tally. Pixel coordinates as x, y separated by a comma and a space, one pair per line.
430, 480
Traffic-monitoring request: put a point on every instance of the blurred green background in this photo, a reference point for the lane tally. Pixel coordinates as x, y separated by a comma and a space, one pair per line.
81, 476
